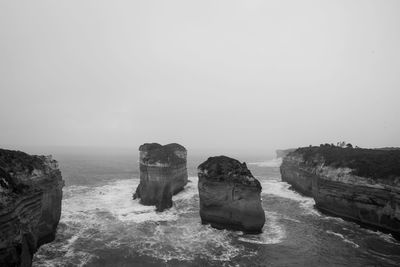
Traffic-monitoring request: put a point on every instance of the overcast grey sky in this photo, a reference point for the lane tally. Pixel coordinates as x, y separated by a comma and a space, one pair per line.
207, 74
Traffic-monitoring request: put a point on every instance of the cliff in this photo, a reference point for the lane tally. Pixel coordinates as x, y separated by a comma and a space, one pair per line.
297, 174
230, 195
361, 185
30, 205
163, 173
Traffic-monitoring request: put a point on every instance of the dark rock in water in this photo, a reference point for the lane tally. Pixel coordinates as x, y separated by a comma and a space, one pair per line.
230, 196
30, 205
361, 185
163, 173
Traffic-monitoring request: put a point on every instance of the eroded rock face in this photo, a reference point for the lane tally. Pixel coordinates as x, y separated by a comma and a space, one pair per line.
370, 201
297, 174
163, 173
30, 205
230, 196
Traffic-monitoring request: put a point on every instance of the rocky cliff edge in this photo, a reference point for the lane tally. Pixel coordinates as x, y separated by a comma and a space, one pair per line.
30, 205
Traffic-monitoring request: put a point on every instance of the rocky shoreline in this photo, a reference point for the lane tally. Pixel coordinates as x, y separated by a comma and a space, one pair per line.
30, 205
341, 186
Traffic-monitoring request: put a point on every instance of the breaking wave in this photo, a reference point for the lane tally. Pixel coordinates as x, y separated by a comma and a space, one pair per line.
273, 231
106, 217
281, 189
103, 226
343, 238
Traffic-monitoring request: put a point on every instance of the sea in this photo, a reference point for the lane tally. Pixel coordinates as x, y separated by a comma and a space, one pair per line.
101, 225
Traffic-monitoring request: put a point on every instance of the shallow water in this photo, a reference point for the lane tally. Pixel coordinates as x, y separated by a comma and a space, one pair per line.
102, 226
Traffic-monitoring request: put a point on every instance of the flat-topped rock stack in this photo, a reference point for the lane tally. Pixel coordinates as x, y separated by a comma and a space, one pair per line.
230, 195
30, 205
163, 173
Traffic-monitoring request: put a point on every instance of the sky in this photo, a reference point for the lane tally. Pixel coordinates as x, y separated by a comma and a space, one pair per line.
211, 75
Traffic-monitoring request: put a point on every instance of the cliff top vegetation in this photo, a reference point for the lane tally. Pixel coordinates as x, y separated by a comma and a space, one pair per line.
371, 163
223, 168
18, 161
14, 162
157, 153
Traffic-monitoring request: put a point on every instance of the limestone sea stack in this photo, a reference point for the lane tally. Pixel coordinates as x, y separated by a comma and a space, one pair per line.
230, 195
163, 173
361, 185
30, 205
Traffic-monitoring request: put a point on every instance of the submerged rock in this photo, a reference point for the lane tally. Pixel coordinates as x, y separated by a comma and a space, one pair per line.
361, 185
163, 173
30, 205
230, 195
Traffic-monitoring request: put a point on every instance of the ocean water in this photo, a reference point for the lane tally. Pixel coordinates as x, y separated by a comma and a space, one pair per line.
102, 226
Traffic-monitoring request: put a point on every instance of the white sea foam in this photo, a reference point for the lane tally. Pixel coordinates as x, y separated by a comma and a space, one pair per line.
281, 189
290, 219
107, 217
343, 238
193, 240
387, 237
116, 198
189, 191
273, 231
336, 219
64, 253
276, 162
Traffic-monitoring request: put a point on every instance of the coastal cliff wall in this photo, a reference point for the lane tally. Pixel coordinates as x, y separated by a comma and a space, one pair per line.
339, 190
297, 174
30, 205
163, 173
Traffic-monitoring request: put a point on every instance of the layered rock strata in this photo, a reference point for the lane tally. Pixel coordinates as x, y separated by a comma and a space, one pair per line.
163, 173
30, 205
346, 183
230, 195
295, 172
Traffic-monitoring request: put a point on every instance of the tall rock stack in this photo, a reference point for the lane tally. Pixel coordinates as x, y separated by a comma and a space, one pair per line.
30, 205
230, 195
163, 173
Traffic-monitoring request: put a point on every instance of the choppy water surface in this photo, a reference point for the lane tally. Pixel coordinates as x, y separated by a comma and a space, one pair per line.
102, 226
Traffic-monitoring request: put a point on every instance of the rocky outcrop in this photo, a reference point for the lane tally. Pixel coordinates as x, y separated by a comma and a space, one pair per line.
346, 182
230, 196
163, 173
30, 205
